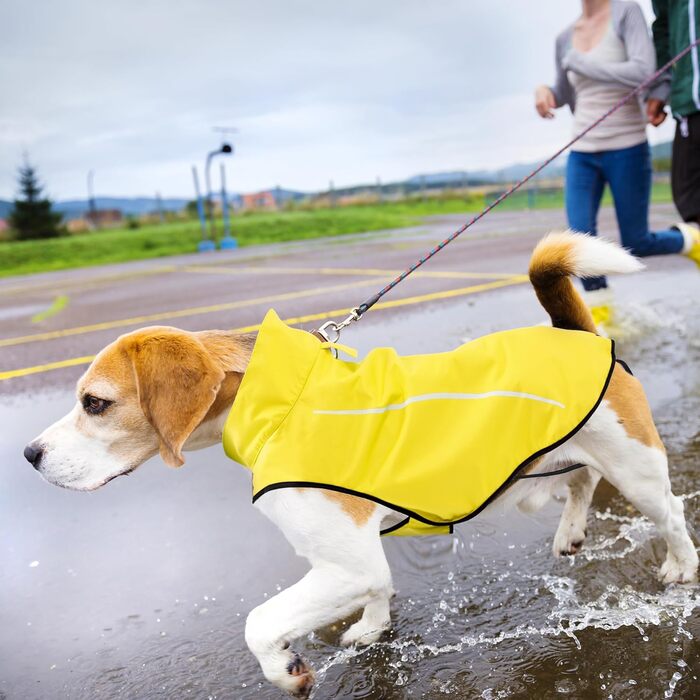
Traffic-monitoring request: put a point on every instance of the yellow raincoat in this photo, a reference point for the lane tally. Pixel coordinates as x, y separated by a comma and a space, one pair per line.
436, 437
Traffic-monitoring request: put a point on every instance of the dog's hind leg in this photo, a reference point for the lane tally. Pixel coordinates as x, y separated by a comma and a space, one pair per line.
572, 525
640, 473
349, 571
648, 488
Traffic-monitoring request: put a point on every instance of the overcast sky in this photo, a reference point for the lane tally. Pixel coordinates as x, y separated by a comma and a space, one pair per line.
318, 90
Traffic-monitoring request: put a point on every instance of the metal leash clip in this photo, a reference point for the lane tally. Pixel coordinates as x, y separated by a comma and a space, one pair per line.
330, 330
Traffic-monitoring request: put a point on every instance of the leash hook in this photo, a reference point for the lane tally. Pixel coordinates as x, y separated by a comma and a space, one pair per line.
330, 330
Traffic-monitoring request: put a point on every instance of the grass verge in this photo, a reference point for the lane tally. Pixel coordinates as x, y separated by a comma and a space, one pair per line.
155, 241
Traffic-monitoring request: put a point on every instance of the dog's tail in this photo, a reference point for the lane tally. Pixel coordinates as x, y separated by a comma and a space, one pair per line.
560, 255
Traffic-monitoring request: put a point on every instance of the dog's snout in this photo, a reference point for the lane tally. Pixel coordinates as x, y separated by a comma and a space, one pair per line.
33, 454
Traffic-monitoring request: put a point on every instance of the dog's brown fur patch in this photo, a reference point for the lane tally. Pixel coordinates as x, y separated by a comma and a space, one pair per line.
231, 350
359, 509
226, 395
550, 266
111, 366
169, 381
177, 382
532, 467
626, 397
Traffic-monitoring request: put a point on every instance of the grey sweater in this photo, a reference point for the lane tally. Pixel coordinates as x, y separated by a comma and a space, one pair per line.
631, 27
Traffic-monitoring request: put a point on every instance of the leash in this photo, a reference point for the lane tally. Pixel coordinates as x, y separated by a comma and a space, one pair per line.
330, 331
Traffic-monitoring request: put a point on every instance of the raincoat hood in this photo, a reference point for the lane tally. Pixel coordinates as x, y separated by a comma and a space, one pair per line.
436, 437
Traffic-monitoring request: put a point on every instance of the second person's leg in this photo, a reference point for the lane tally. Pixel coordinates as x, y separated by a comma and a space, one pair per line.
685, 169
584, 189
628, 170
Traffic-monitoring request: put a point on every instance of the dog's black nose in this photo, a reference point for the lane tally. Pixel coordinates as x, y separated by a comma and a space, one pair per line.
33, 454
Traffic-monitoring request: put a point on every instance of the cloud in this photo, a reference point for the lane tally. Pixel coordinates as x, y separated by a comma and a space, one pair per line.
319, 91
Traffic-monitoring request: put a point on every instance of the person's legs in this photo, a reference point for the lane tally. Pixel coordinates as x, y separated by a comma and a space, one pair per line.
628, 170
685, 169
583, 192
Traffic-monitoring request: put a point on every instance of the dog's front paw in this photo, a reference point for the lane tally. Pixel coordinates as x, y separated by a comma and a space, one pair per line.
303, 677
568, 540
673, 571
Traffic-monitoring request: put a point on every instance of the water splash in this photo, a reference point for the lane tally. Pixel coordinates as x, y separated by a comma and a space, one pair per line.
616, 607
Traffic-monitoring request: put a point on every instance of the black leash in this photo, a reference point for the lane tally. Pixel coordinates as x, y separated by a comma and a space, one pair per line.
331, 330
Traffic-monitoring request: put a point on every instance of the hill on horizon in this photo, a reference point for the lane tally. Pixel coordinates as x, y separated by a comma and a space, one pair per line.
510, 173
138, 206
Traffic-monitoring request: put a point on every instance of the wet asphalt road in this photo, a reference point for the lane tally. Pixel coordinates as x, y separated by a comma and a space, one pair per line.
140, 590
297, 279
232, 290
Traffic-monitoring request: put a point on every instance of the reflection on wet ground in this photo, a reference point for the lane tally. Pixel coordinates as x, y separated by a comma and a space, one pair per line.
141, 590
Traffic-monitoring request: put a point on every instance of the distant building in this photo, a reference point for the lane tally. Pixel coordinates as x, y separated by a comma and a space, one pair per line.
269, 199
100, 218
77, 226
260, 200
104, 218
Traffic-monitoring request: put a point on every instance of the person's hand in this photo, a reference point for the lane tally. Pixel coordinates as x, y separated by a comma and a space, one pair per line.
655, 111
545, 104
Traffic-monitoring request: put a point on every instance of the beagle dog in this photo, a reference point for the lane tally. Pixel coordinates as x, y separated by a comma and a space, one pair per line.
164, 390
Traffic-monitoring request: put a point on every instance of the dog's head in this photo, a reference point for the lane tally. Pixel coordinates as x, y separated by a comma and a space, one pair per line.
150, 391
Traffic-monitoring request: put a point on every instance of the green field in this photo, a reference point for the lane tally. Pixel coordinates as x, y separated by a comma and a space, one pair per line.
154, 241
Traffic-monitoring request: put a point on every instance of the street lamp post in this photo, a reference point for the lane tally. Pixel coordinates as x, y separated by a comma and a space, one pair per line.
225, 149
227, 242
91, 198
205, 244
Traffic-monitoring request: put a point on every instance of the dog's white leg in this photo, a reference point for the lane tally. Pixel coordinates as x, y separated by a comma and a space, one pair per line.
375, 620
572, 526
640, 473
649, 490
349, 571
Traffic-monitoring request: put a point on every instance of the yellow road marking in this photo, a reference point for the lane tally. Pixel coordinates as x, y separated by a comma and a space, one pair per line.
193, 311
294, 321
58, 304
336, 271
47, 367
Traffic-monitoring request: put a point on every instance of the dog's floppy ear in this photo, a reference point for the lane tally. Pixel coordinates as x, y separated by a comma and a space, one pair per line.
177, 382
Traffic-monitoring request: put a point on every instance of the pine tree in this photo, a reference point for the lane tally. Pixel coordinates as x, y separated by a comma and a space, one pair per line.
32, 216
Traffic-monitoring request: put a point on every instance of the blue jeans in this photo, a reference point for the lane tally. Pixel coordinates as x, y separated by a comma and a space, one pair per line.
628, 172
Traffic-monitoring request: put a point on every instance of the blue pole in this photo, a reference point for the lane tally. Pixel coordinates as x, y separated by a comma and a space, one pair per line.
227, 242
205, 244
210, 206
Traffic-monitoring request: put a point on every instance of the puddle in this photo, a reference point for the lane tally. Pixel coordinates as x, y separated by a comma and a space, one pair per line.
141, 590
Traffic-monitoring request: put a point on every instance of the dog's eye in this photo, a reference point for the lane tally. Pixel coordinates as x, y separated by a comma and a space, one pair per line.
95, 406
